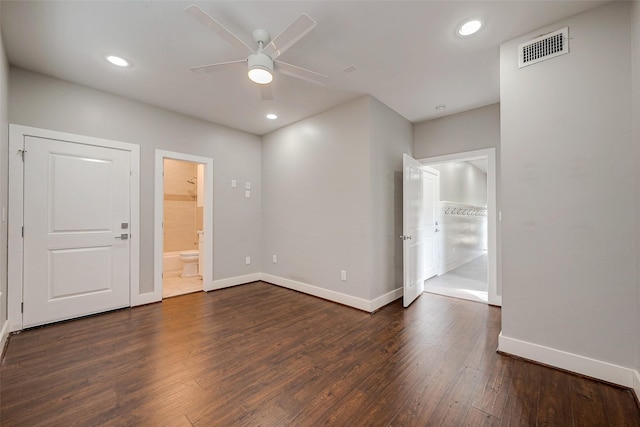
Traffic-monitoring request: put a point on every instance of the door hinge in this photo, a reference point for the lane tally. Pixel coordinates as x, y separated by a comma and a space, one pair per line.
21, 307
22, 153
23, 231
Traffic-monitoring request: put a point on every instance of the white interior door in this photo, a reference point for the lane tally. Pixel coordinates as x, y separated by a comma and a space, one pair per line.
76, 230
430, 198
413, 225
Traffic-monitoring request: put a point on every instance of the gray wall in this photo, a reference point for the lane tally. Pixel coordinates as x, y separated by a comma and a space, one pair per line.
461, 182
567, 190
315, 200
45, 102
330, 198
467, 131
4, 173
391, 137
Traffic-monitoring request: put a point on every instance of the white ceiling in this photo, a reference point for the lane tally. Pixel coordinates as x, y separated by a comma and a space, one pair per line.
406, 52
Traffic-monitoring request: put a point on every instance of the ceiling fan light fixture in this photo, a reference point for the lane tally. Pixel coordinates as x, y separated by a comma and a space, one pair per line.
260, 68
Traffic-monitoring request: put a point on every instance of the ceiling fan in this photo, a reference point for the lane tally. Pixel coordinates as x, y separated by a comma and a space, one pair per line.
262, 62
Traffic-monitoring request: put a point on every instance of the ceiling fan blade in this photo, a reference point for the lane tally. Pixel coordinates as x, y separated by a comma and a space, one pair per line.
266, 92
203, 69
216, 27
301, 73
290, 35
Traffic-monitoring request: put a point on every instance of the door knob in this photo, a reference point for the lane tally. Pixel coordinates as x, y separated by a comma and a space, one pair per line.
123, 236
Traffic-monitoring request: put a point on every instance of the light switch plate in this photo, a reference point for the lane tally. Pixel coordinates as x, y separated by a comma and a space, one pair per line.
247, 194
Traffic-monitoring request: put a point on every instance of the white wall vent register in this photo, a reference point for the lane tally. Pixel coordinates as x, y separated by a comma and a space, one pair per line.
544, 47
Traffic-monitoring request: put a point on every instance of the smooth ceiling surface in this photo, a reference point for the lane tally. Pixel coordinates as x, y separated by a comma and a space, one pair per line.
406, 53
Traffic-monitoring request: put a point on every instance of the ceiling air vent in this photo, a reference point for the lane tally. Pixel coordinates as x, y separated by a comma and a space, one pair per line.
543, 48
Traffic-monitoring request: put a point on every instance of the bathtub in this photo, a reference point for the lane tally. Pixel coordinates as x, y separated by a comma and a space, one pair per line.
171, 264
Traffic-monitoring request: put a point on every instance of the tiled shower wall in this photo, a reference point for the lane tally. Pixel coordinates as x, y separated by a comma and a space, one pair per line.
181, 216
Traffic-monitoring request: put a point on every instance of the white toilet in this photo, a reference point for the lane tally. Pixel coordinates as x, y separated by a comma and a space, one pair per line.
190, 261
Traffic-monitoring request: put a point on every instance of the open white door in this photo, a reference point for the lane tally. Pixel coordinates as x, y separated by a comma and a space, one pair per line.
413, 224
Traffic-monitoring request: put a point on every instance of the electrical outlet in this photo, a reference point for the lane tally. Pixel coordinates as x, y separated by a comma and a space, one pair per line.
247, 186
247, 260
247, 194
234, 183
343, 275
275, 258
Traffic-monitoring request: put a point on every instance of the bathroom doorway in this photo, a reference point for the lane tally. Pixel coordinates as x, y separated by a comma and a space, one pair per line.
183, 228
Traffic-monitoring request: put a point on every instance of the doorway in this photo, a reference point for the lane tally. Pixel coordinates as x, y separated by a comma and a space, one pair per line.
183, 227
468, 253
462, 216
183, 224
413, 213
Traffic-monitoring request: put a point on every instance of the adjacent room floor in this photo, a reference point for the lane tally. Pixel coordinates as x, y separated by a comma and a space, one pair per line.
469, 281
176, 285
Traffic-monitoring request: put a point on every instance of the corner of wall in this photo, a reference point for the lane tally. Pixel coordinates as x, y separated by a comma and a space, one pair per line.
4, 175
635, 119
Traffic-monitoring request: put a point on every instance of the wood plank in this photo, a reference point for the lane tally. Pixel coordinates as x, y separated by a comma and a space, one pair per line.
554, 409
521, 408
476, 418
492, 396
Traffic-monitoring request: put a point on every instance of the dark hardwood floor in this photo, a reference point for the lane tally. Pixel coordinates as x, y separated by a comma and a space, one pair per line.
260, 355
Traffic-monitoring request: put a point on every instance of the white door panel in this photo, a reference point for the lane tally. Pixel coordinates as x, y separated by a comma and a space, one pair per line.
420, 193
76, 211
412, 247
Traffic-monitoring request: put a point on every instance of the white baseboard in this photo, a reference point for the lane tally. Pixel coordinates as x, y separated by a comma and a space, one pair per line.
385, 299
636, 384
351, 301
232, 281
4, 334
571, 362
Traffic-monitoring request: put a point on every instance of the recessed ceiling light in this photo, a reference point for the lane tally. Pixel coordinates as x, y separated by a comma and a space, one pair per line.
469, 27
116, 60
271, 116
440, 108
